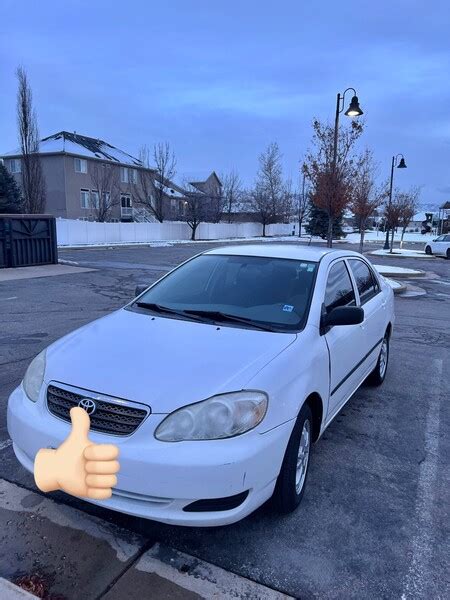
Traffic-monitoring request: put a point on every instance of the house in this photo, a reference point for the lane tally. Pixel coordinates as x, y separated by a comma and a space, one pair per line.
78, 169
444, 218
421, 222
81, 171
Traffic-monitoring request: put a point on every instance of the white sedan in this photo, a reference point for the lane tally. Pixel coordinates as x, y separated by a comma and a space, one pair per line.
215, 380
440, 246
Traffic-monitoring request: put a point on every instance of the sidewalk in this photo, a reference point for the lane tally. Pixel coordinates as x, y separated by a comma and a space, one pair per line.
76, 555
39, 271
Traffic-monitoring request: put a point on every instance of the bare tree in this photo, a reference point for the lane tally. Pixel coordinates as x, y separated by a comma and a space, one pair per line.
366, 196
268, 198
106, 194
408, 203
33, 182
215, 201
392, 213
155, 179
197, 208
232, 192
331, 181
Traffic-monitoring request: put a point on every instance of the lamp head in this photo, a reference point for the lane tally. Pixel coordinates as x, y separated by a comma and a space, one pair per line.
401, 164
354, 110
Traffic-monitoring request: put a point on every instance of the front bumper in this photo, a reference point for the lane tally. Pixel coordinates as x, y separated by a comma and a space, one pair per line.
158, 479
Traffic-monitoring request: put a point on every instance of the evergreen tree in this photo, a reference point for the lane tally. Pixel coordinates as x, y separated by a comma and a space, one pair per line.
318, 223
10, 198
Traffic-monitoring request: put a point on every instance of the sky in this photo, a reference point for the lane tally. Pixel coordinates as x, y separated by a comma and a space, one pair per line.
221, 80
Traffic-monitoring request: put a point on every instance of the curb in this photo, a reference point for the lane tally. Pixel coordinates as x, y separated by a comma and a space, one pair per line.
397, 290
399, 255
10, 591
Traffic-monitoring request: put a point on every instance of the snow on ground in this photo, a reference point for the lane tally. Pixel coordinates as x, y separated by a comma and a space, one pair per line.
387, 270
395, 285
403, 253
379, 236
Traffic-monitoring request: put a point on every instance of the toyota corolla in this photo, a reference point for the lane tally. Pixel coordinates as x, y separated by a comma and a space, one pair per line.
215, 381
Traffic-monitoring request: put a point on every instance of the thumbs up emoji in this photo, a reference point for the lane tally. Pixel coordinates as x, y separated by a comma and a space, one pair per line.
78, 467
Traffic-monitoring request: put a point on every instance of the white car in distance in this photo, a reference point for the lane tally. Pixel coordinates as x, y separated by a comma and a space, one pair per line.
440, 246
215, 381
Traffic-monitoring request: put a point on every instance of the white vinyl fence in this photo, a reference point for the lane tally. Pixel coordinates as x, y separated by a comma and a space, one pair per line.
82, 233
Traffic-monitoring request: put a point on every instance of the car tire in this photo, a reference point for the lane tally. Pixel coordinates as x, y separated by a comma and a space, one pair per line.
447, 256
291, 481
428, 250
379, 373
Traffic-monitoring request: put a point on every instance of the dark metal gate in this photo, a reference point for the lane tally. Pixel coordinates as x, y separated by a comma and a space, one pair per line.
27, 240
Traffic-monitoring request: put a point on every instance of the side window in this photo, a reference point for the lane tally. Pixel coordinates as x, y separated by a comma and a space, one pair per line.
365, 281
447, 238
339, 290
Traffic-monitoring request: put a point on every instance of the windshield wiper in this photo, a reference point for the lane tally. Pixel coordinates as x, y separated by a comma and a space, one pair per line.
166, 309
217, 315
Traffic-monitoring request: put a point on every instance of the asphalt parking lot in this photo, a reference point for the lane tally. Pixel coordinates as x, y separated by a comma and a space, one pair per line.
374, 522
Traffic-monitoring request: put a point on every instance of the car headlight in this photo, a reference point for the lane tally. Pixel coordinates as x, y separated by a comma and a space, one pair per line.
222, 416
34, 377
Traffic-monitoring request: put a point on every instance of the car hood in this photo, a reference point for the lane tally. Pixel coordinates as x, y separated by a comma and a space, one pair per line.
162, 362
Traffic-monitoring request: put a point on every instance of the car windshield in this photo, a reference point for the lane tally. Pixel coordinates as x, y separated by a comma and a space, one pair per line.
261, 292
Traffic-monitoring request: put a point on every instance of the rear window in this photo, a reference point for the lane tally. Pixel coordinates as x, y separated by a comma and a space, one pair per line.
365, 280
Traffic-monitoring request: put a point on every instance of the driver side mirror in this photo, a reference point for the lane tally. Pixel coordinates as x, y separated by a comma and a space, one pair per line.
343, 315
140, 288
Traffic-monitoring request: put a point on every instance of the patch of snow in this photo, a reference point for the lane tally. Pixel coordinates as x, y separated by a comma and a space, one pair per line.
380, 236
387, 270
402, 252
395, 285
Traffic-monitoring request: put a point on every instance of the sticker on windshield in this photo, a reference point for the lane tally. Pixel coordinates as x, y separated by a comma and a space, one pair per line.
288, 308
310, 268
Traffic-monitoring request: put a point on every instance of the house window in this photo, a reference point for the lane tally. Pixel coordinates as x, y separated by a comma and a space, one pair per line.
80, 165
106, 198
15, 165
85, 199
126, 205
95, 199
124, 175
133, 175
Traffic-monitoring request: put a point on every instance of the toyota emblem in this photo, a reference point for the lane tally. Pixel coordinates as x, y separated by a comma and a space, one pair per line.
89, 405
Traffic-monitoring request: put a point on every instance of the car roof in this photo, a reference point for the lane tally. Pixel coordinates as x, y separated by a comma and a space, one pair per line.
287, 250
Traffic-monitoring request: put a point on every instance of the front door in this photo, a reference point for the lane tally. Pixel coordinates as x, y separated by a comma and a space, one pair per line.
343, 341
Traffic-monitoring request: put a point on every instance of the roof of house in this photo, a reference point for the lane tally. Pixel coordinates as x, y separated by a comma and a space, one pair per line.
446, 205
82, 145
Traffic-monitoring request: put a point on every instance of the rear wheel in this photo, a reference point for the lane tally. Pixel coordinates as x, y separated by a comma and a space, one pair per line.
379, 373
428, 250
448, 254
291, 481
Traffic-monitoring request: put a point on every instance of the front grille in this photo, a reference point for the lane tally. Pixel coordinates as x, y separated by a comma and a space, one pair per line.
109, 417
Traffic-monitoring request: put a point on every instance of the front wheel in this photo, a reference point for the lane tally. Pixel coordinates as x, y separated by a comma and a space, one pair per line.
428, 250
379, 373
291, 481
448, 254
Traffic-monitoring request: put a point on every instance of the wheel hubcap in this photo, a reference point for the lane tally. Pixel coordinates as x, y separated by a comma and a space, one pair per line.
303, 456
383, 358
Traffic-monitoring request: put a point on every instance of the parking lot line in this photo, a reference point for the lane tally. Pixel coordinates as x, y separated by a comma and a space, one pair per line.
416, 584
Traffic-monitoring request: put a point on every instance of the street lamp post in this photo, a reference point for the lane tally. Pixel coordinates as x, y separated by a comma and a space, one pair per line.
354, 110
400, 165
